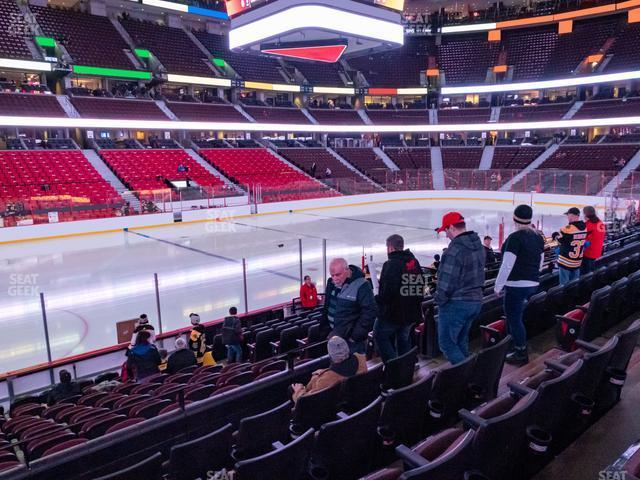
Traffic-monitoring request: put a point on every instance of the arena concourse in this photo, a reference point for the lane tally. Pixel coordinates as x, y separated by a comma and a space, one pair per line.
319, 240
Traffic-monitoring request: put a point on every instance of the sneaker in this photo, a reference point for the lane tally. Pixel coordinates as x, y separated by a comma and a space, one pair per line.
518, 357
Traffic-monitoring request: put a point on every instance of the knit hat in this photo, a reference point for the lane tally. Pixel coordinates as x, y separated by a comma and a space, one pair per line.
195, 319
181, 343
143, 320
523, 214
338, 349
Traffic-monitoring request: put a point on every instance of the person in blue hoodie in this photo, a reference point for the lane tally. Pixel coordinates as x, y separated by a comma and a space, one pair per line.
143, 358
350, 306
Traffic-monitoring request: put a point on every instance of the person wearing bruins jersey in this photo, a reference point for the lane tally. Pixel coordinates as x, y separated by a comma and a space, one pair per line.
572, 241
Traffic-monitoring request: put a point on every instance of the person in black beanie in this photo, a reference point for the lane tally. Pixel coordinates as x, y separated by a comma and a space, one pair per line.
519, 277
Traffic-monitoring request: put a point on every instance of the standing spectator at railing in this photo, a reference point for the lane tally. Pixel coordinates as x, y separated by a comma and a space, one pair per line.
196, 340
143, 359
596, 233
232, 336
350, 306
572, 239
308, 294
144, 325
490, 256
519, 276
459, 290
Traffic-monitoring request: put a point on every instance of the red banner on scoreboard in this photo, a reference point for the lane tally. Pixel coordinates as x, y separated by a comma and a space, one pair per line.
394, 4
235, 7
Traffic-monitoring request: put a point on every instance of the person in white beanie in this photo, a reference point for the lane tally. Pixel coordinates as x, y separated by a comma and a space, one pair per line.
180, 358
142, 326
196, 341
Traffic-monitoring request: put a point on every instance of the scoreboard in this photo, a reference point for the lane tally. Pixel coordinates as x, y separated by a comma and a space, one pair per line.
236, 7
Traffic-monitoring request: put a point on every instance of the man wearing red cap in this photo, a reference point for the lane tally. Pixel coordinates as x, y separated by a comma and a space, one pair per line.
459, 290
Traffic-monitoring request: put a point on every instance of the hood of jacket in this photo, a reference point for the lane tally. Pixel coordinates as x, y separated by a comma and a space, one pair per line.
469, 241
355, 273
404, 255
141, 350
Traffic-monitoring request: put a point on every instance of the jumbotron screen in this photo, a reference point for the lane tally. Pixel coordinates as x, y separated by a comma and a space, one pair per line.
235, 7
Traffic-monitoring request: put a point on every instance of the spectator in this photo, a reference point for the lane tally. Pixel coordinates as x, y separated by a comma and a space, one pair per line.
519, 276
182, 168
164, 358
65, 389
328, 173
143, 359
232, 336
400, 295
349, 307
180, 358
459, 290
436, 262
196, 340
596, 233
571, 239
142, 326
308, 294
344, 364
313, 169
490, 256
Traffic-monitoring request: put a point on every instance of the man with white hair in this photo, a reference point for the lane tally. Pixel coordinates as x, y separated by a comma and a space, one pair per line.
180, 358
350, 307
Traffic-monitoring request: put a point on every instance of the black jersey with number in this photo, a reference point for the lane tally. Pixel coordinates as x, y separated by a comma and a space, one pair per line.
572, 241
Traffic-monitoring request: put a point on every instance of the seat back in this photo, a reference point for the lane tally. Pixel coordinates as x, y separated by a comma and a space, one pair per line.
256, 434
286, 463
627, 341
487, 370
313, 410
501, 441
618, 301
288, 339
343, 460
450, 391
452, 463
633, 291
193, 459
149, 469
399, 372
403, 416
601, 278
360, 390
595, 365
263, 345
537, 316
595, 318
554, 400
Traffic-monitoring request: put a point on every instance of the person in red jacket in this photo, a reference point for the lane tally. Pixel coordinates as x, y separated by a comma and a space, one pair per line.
596, 233
308, 293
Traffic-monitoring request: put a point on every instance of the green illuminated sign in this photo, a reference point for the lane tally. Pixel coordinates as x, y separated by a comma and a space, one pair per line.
219, 62
142, 53
46, 42
111, 72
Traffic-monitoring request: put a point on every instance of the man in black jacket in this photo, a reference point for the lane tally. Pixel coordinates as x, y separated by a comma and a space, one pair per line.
350, 307
399, 300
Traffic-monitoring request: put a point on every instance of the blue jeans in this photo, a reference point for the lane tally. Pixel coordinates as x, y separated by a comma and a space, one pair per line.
454, 322
391, 339
234, 353
515, 299
566, 275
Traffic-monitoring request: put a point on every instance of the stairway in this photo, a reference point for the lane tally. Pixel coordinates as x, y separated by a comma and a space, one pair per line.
112, 179
487, 158
433, 116
307, 114
67, 106
338, 157
437, 170
495, 115
631, 165
363, 115
532, 166
385, 158
211, 169
572, 111
244, 113
163, 106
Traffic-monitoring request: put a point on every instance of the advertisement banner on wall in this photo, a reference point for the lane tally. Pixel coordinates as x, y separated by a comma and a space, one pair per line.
235, 7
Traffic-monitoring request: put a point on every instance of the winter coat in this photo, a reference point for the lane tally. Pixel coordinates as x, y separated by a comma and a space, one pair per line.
401, 289
349, 312
461, 273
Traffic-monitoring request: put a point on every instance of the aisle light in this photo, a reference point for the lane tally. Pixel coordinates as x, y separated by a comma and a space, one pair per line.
563, 82
318, 17
117, 124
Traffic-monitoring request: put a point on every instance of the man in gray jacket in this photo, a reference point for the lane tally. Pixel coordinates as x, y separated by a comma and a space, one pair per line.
459, 290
